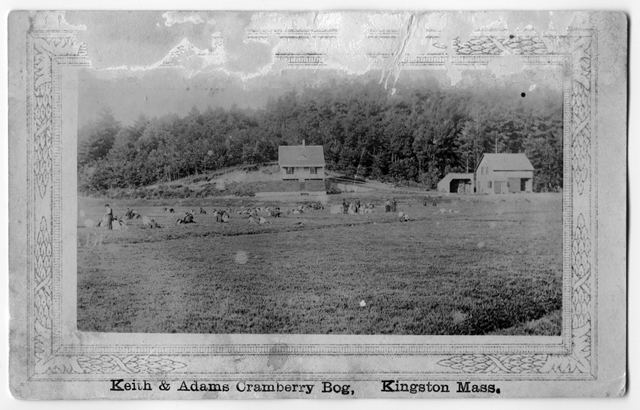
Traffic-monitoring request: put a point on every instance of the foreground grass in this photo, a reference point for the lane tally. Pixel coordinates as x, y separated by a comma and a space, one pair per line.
485, 268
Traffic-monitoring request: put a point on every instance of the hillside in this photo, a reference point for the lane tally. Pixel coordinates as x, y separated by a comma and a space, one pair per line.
414, 136
240, 173
252, 180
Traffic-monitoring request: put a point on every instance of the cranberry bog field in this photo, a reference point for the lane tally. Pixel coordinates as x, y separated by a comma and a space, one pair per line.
462, 265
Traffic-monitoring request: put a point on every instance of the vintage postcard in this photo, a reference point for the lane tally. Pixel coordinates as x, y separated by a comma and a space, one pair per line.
245, 205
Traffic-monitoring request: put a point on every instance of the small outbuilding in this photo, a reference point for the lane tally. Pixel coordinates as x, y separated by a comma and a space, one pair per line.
456, 182
504, 173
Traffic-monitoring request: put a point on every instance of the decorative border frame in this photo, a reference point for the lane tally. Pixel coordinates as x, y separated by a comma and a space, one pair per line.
49, 48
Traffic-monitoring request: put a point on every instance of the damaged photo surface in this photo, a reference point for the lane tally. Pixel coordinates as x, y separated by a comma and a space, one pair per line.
227, 187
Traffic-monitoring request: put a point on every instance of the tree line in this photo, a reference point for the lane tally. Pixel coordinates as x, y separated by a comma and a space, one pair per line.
416, 135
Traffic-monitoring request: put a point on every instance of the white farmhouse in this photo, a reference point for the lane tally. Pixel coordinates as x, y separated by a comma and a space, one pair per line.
301, 162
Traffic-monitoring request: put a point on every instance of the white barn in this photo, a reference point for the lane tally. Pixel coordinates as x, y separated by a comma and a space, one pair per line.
504, 173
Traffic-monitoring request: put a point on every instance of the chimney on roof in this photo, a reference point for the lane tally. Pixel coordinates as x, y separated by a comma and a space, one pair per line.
303, 143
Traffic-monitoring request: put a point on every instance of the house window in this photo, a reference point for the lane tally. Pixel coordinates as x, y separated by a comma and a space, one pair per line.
313, 170
482, 170
490, 184
289, 170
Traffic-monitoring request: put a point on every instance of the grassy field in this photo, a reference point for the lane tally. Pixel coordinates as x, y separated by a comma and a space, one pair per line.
467, 266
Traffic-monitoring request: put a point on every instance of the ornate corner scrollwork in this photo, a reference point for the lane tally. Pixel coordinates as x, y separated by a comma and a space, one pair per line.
45, 51
579, 360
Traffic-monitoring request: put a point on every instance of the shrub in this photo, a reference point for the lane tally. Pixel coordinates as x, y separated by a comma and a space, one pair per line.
332, 188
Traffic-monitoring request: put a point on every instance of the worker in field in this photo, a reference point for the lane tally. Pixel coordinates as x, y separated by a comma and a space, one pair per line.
107, 219
186, 219
357, 205
345, 207
394, 205
387, 206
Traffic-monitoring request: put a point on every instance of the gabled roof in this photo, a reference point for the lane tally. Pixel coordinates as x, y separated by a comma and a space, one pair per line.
301, 156
507, 162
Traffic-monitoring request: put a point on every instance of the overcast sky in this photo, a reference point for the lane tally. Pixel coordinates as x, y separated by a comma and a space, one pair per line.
215, 64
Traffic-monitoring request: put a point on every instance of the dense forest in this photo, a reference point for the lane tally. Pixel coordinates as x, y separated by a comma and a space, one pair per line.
415, 135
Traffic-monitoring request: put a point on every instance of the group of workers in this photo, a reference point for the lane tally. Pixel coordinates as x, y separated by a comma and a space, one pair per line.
354, 207
131, 214
391, 205
350, 207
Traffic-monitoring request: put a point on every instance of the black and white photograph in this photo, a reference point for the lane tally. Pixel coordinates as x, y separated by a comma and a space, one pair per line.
314, 201
317, 204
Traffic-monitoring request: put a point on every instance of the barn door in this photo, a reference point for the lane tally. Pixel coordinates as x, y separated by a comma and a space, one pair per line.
302, 186
453, 185
497, 187
514, 185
